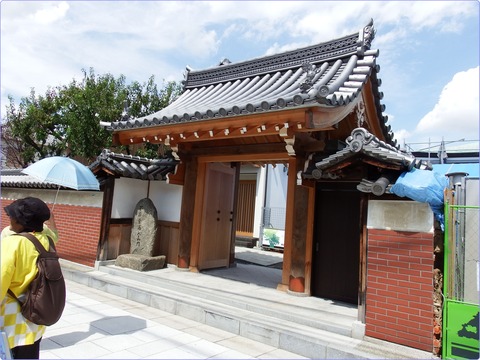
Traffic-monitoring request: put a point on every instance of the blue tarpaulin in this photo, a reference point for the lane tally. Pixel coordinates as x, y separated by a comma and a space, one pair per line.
424, 186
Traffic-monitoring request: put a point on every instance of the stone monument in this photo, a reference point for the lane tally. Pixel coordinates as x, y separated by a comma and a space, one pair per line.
142, 240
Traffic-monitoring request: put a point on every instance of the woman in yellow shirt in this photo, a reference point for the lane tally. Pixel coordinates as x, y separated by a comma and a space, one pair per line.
19, 268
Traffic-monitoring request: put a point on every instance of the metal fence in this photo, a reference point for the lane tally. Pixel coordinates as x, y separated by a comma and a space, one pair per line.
461, 285
272, 232
461, 251
274, 218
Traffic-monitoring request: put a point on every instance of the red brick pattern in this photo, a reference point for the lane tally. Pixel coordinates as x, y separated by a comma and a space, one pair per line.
78, 229
399, 305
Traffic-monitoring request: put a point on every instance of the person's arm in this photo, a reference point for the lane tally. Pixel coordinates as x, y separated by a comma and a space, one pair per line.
6, 232
8, 267
51, 223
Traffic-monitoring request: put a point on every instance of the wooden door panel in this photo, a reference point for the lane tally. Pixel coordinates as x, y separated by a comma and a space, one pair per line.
217, 214
246, 207
336, 244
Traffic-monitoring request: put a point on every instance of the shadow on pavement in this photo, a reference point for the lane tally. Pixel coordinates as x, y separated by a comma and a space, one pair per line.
109, 325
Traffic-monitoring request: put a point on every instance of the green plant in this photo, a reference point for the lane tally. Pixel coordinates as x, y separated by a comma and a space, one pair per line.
272, 237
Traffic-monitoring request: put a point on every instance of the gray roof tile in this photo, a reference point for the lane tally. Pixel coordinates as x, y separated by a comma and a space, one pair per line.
365, 145
329, 74
135, 167
15, 178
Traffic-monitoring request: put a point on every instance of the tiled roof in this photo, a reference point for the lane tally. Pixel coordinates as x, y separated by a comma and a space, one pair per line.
15, 178
362, 144
136, 167
329, 74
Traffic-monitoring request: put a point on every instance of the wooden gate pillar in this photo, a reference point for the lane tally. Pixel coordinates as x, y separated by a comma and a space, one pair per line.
299, 229
187, 212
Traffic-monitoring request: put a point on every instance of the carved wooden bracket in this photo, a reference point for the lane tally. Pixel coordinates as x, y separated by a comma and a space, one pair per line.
175, 152
289, 145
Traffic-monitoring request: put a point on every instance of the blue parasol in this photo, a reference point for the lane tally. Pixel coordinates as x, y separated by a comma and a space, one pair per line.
63, 171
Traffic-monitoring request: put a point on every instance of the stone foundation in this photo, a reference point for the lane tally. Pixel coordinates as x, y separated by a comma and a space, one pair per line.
140, 262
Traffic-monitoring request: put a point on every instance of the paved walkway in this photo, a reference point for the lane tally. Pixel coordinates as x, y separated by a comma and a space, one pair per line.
267, 272
224, 313
99, 325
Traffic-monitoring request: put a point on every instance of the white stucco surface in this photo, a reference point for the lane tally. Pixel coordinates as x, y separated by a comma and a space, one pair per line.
400, 216
65, 197
128, 192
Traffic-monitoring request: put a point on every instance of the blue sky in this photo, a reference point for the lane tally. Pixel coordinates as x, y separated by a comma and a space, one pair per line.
429, 50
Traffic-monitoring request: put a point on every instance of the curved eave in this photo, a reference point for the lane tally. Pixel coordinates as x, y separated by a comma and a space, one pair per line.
375, 109
362, 143
135, 167
332, 75
324, 85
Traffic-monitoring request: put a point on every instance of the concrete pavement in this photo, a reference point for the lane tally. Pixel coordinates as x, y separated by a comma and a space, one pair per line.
238, 301
99, 325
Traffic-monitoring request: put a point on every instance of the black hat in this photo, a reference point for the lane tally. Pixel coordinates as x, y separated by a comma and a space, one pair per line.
29, 212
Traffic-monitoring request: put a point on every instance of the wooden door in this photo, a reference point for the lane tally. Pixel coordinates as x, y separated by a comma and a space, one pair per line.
336, 244
217, 216
247, 190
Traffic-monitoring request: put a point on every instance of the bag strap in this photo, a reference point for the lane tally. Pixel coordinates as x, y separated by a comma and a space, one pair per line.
37, 243
40, 249
10, 292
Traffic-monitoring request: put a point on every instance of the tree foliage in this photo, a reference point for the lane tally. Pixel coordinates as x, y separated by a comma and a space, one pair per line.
66, 120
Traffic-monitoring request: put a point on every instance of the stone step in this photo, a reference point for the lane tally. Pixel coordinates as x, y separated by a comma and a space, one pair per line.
319, 318
246, 241
295, 324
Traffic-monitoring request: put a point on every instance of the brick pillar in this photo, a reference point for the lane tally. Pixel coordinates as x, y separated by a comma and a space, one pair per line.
399, 305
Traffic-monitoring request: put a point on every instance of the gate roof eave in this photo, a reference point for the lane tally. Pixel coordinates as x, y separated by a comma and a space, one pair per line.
320, 78
301, 119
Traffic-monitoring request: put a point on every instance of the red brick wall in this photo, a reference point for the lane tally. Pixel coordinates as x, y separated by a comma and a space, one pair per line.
399, 304
78, 229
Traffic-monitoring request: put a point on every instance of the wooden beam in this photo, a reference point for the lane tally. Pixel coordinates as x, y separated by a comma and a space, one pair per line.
289, 218
362, 281
296, 117
108, 191
187, 218
371, 115
178, 177
197, 212
244, 157
298, 120
277, 150
383, 165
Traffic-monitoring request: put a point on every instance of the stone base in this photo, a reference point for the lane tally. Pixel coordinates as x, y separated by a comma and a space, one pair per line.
140, 262
358, 330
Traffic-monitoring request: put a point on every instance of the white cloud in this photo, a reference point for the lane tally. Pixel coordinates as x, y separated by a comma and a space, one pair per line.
456, 114
401, 136
47, 43
51, 13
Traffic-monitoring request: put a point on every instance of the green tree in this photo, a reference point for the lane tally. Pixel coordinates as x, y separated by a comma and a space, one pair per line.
145, 100
84, 104
35, 128
66, 120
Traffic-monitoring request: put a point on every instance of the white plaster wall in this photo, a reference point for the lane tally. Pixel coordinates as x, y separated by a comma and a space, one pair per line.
273, 195
276, 197
259, 201
128, 192
277, 186
65, 197
411, 216
167, 199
